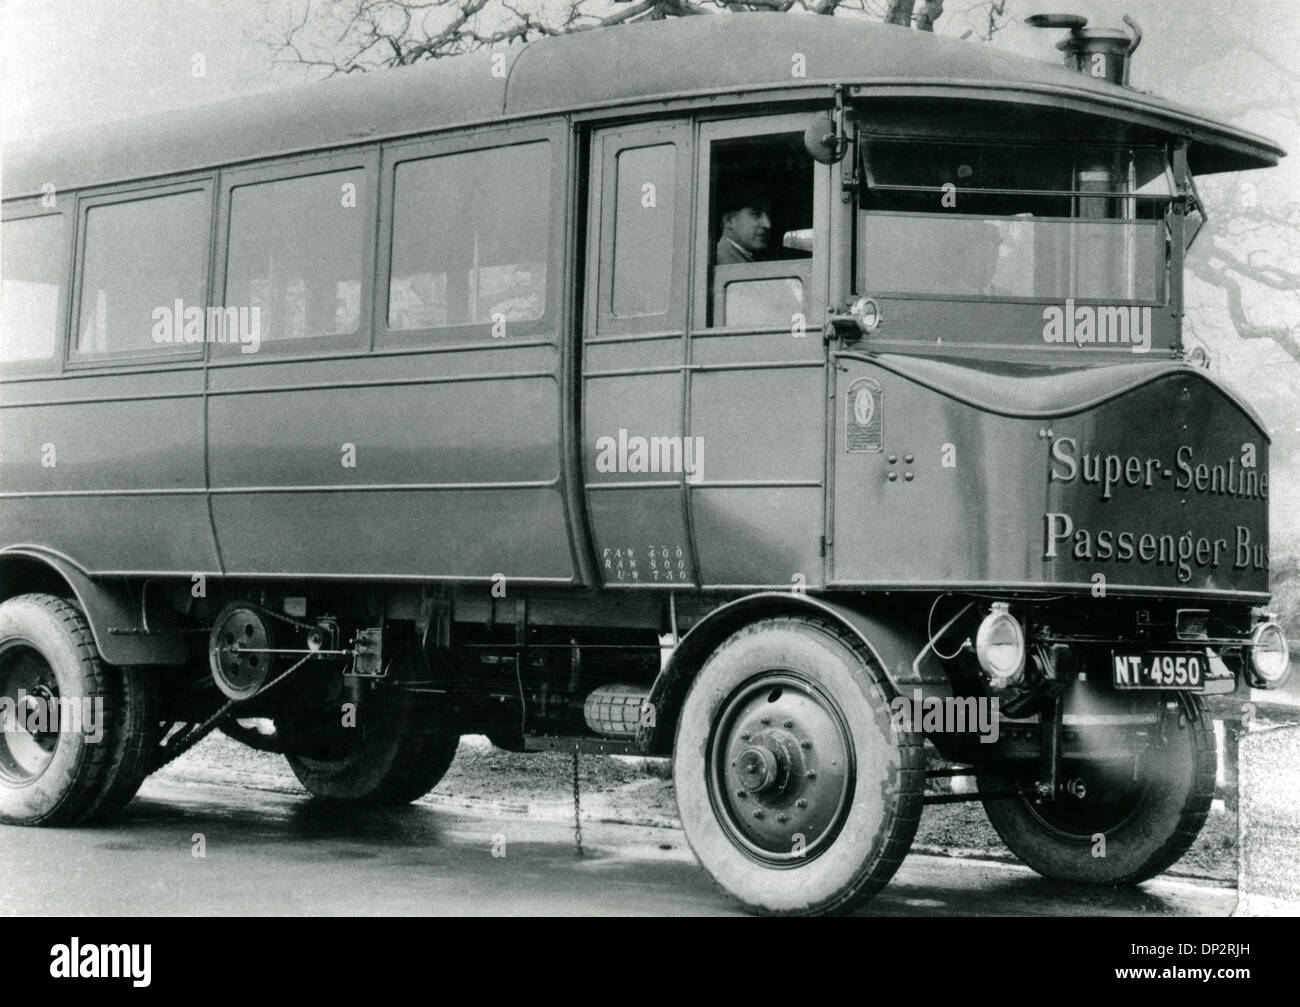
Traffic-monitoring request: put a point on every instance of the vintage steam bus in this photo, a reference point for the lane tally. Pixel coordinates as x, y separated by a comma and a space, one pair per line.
429, 403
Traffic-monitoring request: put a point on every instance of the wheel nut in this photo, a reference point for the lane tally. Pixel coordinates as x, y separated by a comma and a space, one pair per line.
765, 720
758, 813
811, 774
801, 803
805, 744
787, 723
780, 818
741, 794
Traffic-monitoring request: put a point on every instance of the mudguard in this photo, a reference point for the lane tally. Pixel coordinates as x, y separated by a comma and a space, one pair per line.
113, 612
897, 643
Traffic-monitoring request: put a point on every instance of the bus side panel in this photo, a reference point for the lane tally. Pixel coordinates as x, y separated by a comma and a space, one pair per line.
441, 465
108, 471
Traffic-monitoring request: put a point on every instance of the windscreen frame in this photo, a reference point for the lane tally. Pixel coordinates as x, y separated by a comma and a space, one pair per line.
945, 200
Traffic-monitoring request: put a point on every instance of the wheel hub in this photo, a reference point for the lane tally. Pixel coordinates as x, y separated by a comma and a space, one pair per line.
29, 730
757, 768
782, 768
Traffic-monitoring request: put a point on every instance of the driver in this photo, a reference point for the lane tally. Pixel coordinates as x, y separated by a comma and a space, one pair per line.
746, 226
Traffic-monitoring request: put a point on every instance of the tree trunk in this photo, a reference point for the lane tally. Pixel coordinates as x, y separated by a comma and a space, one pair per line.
931, 11
900, 12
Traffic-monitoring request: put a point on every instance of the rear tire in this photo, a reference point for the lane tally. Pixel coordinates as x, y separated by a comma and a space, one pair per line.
1147, 824
135, 752
396, 753
48, 656
827, 741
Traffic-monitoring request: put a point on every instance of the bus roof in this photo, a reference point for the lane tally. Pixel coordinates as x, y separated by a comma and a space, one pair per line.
710, 57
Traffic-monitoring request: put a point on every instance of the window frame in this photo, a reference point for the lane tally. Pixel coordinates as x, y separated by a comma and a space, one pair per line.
27, 209
544, 329
818, 265
601, 324
286, 169
90, 199
613, 240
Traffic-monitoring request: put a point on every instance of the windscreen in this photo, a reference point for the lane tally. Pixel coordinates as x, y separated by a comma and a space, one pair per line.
1014, 222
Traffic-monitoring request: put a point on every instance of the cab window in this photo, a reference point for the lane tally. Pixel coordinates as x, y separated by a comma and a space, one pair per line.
760, 230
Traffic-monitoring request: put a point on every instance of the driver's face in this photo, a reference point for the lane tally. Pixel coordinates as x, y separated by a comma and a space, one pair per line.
749, 227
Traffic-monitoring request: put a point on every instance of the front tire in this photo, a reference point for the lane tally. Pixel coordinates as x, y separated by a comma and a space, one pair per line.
1123, 831
793, 788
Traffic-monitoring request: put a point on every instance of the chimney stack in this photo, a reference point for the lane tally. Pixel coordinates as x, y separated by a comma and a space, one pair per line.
1104, 53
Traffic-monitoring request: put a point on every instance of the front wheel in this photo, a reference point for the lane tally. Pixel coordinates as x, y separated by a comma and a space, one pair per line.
1131, 822
793, 788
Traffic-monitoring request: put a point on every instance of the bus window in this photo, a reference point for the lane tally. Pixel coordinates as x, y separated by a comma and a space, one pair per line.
296, 253
643, 230
470, 238
140, 256
760, 214
31, 287
957, 220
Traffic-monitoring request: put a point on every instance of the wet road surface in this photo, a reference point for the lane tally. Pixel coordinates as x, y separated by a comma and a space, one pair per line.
281, 854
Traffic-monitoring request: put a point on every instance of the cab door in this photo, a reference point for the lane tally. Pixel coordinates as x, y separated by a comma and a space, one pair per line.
757, 392
635, 459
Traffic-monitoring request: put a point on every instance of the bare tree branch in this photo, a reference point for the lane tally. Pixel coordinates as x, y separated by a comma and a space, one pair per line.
1229, 280
349, 36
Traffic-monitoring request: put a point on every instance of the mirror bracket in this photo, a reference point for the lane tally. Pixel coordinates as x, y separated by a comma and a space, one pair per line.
827, 137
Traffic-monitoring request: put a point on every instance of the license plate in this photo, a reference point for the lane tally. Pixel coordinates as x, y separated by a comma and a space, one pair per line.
1159, 670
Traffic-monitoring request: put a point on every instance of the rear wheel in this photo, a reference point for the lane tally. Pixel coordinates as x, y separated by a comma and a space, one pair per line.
1131, 822
60, 707
396, 752
793, 788
135, 750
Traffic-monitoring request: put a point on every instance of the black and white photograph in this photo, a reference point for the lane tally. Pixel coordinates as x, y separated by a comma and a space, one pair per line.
568, 458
